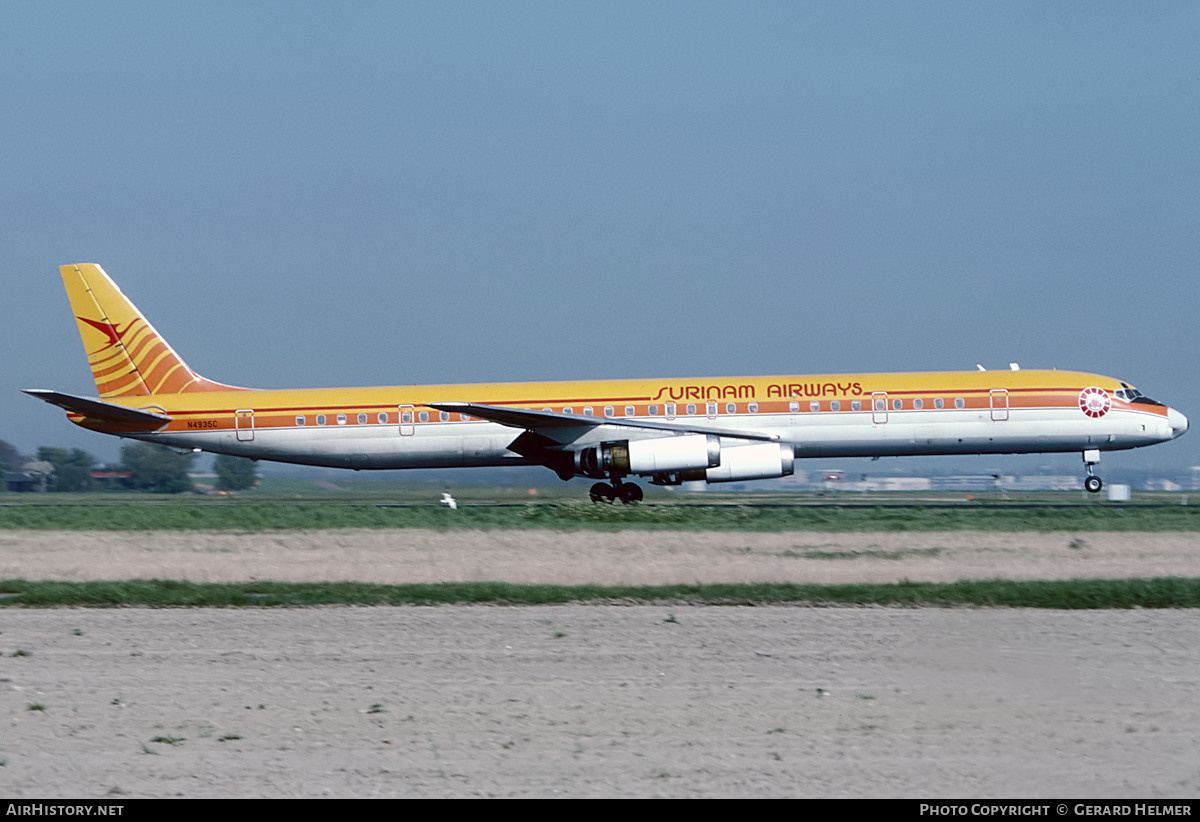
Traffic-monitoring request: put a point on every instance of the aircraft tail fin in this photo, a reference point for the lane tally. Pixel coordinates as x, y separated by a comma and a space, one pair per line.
128, 357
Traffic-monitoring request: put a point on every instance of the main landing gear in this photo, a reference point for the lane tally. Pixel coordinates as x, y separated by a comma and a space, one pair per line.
1092, 483
626, 492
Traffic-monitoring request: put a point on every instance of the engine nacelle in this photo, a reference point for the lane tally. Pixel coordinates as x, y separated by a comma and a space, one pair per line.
749, 462
661, 455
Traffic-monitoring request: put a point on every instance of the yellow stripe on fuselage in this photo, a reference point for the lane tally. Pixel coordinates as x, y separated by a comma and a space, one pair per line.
770, 394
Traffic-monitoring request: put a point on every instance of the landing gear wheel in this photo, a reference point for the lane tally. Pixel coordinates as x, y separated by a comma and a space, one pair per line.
1092, 483
626, 492
602, 492
629, 492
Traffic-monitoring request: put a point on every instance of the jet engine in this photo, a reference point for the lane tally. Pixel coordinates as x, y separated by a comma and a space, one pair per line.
660, 455
748, 462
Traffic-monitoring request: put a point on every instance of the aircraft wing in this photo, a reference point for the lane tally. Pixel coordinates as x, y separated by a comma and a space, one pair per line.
545, 422
132, 419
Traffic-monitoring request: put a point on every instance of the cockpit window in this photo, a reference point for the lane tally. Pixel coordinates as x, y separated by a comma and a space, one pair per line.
1130, 394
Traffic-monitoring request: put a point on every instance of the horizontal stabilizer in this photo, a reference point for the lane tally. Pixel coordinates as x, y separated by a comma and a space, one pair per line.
544, 421
131, 419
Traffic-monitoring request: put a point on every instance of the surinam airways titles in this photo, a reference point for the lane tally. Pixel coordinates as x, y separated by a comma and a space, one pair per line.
747, 391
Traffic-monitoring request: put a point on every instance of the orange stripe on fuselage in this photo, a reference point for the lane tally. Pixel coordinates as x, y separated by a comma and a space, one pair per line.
280, 416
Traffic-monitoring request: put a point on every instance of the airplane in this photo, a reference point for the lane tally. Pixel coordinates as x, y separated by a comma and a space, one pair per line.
666, 431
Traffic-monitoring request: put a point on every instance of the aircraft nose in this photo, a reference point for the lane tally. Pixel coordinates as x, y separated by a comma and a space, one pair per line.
1178, 422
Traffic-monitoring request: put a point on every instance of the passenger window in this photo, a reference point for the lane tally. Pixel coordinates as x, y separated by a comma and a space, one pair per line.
423, 416
880, 405
691, 408
939, 403
444, 416
670, 409
918, 403
300, 420
712, 409
752, 408
835, 406
320, 419
652, 410
587, 411
464, 417
731, 407
897, 404
608, 410
567, 410
958, 402
341, 419
814, 406
630, 411
793, 406
855, 405
362, 419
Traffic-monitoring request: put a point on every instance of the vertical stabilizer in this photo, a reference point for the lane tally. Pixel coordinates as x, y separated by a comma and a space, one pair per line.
128, 357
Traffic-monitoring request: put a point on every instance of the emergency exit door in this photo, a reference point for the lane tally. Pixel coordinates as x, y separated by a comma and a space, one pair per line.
243, 421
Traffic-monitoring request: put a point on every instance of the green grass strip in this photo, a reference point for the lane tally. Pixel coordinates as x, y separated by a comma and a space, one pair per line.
255, 516
1165, 592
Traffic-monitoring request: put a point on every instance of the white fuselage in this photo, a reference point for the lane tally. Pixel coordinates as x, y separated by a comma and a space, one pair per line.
863, 433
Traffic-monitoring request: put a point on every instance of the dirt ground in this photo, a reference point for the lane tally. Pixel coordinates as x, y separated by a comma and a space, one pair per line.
598, 700
583, 557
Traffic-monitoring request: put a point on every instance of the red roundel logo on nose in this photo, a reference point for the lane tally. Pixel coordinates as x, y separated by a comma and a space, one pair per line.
1094, 402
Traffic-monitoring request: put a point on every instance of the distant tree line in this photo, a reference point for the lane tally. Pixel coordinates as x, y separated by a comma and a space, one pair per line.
143, 467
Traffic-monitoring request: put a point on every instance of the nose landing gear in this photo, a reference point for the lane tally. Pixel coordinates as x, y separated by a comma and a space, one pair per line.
1092, 483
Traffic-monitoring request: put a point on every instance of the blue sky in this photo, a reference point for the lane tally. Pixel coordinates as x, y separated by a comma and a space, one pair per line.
386, 193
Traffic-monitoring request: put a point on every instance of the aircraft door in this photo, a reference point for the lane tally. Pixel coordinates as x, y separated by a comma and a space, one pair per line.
879, 409
406, 421
243, 421
999, 402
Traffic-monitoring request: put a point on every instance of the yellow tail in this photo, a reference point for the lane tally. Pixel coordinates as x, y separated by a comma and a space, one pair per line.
128, 357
